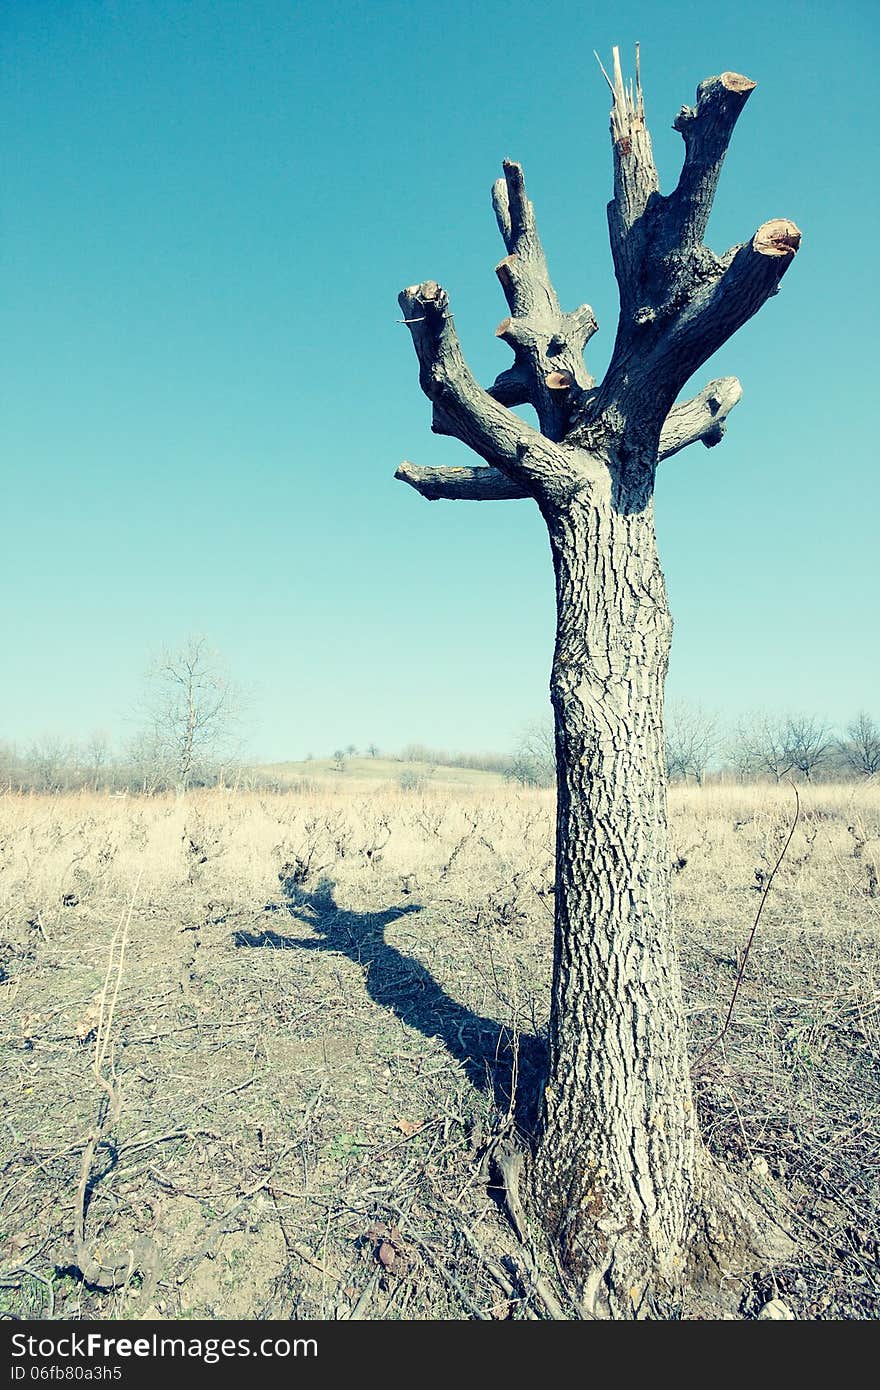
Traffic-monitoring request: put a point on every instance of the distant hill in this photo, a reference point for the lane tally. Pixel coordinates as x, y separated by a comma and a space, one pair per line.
359, 773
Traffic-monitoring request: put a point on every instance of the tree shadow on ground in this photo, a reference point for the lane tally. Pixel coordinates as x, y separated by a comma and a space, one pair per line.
398, 982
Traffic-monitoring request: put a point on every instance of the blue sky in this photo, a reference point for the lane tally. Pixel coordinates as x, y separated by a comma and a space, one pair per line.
209, 210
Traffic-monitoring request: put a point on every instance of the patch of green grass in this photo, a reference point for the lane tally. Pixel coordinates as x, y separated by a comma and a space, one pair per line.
345, 1146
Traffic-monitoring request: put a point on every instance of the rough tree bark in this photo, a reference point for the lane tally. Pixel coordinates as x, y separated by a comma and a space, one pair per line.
618, 1178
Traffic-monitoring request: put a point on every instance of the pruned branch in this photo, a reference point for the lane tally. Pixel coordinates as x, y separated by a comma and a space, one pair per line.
751, 275
703, 418
463, 409
706, 130
649, 233
635, 177
678, 301
512, 387
549, 371
460, 484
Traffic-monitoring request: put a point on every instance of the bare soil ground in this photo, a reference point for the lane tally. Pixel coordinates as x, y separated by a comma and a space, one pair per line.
326, 1006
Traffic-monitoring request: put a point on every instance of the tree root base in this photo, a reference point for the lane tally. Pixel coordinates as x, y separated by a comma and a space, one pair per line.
735, 1230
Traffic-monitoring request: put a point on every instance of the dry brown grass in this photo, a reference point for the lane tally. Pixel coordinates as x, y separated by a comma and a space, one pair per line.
322, 1001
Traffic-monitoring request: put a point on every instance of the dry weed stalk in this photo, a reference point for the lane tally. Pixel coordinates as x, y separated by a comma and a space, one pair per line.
749, 943
143, 1253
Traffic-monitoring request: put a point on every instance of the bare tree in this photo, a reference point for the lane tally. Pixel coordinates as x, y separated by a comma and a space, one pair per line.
11, 770
692, 739
146, 764
761, 745
860, 749
49, 763
742, 748
808, 743
192, 712
774, 753
96, 757
533, 763
618, 1178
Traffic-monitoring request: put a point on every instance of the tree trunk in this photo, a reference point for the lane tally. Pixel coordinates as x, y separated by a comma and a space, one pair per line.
614, 1170
631, 1201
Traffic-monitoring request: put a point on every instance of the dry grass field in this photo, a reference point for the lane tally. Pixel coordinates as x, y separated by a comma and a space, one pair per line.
254, 1045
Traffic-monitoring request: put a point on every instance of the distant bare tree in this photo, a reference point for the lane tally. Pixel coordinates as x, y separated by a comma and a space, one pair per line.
860, 749
373, 750
95, 757
339, 760
742, 750
807, 743
774, 753
10, 766
692, 739
193, 709
49, 762
143, 764
533, 763
415, 753
761, 745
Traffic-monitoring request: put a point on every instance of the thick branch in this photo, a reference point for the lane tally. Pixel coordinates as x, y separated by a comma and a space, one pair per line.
635, 175
655, 357
679, 304
752, 274
526, 282
661, 264
706, 130
544, 339
512, 387
703, 418
460, 484
678, 301
463, 409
